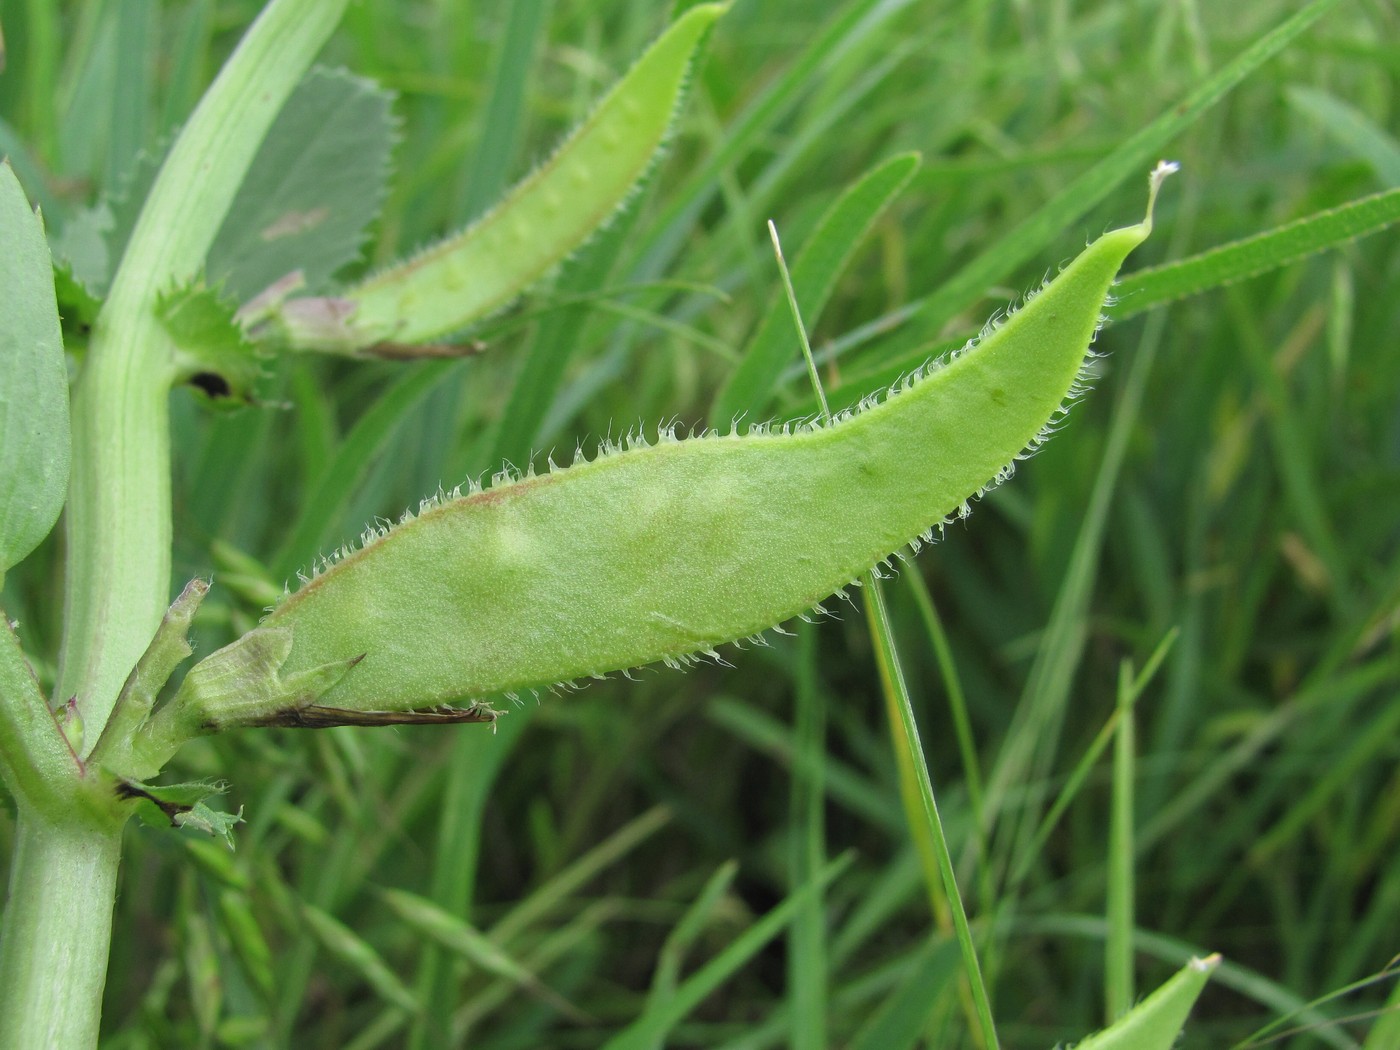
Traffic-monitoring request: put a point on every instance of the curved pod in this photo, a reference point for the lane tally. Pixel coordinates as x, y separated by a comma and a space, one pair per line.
546, 216
661, 551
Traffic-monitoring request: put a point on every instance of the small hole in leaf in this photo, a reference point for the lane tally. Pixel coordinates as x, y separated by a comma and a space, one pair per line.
212, 384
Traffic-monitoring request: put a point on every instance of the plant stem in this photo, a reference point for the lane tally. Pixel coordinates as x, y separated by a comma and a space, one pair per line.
57, 932
119, 531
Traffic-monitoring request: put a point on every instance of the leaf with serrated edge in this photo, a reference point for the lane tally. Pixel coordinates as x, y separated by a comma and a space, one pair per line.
211, 351
316, 184
91, 242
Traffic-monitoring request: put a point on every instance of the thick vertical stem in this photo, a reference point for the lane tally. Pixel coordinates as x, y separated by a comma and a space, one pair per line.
119, 494
57, 932
119, 536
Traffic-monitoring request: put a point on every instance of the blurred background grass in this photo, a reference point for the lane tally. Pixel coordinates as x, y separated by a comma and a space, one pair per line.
1233, 478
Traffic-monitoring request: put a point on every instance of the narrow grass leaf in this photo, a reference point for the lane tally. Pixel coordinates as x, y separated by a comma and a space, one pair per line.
962, 722
900, 1021
1351, 129
1001, 258
921, 811
356, 953
1385, 1033
487, 167
808, 962
325, 503
815, 270
849, 29
466, 941
683, 935
1082, 768
129, 99
238, 920
1118, 946
617, 845
573, 935
1254, 255
652, 1026
844, 785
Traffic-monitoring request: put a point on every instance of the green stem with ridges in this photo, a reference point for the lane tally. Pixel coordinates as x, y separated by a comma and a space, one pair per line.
119, 532
58, 929
58, 919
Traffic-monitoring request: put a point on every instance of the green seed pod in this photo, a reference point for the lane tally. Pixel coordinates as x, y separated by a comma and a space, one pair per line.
545, 217
660, 550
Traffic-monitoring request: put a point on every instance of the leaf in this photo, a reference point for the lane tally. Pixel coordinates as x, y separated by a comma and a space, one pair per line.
1031, 235
656, 1023
214, 823
91, 243
465, 940
545, 217
661, 550
341, 942
211, 352
184, 806
1254, 255
34, 437
1351, 129
314, 187
1155, 1023
815, 270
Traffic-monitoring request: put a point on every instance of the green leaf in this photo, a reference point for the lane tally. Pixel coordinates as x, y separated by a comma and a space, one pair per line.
314, 187
1351, 129
34, 438
341, 942
214, 823
184, 806
1254, 255
1156, 1022
1001, 258
211, 352
476, 948
653, 1026
815, 270
659, 551
90, 244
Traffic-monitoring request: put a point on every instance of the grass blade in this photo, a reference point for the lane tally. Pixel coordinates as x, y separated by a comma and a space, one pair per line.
815, 271
654, 1025
1255, 255
1029, 238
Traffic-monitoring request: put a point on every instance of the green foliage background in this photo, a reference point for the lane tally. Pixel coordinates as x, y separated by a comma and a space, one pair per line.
1233, 478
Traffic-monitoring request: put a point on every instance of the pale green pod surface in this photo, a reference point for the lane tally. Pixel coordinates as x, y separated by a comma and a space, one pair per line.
545, 217
663, 551
1157, 1021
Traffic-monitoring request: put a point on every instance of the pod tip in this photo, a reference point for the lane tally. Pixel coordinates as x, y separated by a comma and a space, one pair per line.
1155, 179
